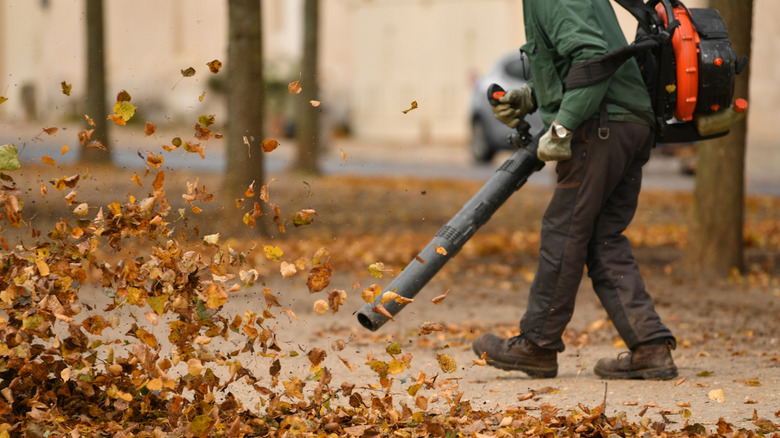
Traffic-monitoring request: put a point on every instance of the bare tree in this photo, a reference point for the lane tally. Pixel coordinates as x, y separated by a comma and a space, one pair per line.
96, 87
716, 239
308, 128
244, 99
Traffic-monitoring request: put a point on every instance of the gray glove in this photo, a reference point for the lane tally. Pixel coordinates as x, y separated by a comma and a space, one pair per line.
514, 105
554, 148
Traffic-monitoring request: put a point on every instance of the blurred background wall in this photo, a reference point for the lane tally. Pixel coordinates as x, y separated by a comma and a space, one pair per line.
376, 57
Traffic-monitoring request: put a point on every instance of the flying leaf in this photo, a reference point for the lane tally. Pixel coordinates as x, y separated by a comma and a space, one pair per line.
380, 309
440, 250
9, 158
189, 72
269, 145
150, 128
64, 149
377, 269
440, 298
51, 131
294, 87
321, 306
81, 209
413, 106
45, 159
287, 269
395, 366
447, 363
319, 278
273, 252
430, 327
206, 120
66, 87
315, 103
214, 66
2, 99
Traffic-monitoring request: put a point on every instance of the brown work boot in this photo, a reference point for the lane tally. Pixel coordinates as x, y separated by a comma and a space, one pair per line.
517, 354
645, 361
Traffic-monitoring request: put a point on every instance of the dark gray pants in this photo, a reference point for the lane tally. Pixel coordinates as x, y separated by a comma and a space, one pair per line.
594, 201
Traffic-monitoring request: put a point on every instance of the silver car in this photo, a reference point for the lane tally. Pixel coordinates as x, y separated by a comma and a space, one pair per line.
488, 135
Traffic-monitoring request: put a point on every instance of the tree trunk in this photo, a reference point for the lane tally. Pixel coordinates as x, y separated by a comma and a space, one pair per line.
244, 101
716, 241
308, 129
95, 106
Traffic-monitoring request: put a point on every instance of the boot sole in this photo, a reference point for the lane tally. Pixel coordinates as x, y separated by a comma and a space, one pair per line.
664, 373
535, 372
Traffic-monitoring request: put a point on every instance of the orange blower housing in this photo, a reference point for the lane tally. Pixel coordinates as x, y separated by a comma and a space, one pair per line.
705, 64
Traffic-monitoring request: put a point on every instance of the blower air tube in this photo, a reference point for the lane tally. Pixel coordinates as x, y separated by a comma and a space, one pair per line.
510, 177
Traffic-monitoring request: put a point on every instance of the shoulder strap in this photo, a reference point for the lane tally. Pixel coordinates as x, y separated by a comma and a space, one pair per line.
650, 35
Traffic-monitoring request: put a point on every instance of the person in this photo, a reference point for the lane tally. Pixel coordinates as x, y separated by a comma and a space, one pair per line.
600, 149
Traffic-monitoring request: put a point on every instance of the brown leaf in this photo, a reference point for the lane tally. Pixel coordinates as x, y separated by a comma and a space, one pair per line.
188, 72
214, 66
150, 128
380, 309
269, 145
294, 87
51, 130
440, 298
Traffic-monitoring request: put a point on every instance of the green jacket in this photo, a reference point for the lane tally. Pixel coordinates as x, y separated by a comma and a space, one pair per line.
561, 33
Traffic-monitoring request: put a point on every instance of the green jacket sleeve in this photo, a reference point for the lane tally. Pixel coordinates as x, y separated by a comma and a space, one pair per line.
576, 35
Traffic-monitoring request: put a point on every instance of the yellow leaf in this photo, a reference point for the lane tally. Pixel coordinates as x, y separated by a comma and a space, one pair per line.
294, 387
413, 106
66, 87
194, 367
3, 99
321, 306
45, 159
154, 385
440, 250
718, 395
447, 363
273, 252
125, 110
377, 269
64, 149
395, 366
215, 296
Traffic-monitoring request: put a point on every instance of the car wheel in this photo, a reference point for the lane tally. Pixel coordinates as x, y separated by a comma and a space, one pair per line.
480, 149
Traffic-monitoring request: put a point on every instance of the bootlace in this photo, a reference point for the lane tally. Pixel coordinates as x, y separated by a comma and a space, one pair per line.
515, 339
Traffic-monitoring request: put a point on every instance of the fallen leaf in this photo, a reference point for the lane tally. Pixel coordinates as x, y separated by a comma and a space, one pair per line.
718, 395
527, 396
